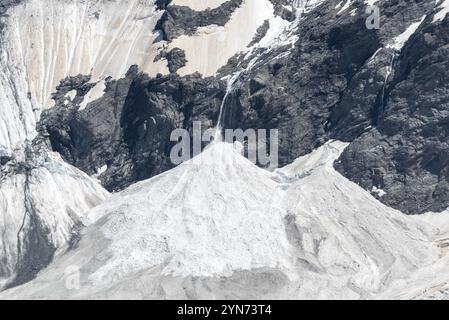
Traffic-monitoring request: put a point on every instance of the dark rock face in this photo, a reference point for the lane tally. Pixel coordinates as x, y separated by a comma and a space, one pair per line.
180, 20
129, 128
336, 84
407, 153
81, 84
5, 156
296, 93
162, 4
176, 59
283, 8
260, 33
35, 249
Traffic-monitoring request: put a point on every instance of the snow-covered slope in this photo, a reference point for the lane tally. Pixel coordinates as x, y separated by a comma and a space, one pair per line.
216, 226
212, 46
42, 199
220, 227
42, 203
46, 41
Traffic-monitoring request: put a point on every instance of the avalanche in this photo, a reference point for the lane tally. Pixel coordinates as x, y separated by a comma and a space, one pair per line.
219, 227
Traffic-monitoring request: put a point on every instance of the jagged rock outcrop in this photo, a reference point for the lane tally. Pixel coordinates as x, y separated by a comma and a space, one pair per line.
342, 80
181, 20
128, 129
406, 155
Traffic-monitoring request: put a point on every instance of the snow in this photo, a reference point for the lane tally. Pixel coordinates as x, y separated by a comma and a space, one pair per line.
444, 10
46, 41
196, 228
380, 192
59, 195
431, 282
216, 226
400, 40
95, 93
212, 46
370, 3
280, 33
71, 95
303, 231
343, 7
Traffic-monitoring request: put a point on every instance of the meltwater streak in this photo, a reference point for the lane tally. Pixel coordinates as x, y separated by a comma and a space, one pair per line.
220, 122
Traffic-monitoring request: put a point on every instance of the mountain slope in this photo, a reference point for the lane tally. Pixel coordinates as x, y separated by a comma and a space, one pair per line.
220, 227
105, 82
311, 69
42, 203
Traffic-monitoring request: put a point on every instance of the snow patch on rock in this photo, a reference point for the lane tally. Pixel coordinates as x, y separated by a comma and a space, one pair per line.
400, 40
444, 10
212, 46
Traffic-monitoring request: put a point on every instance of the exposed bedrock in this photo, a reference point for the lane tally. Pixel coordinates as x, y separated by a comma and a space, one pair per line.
407, 154
296, 93
128, 129
343, 81
182, 20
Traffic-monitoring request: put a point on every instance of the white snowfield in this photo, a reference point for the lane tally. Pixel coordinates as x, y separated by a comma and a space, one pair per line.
214, 227
211, 47
443, 6
42, 43
220, 227
401, 39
